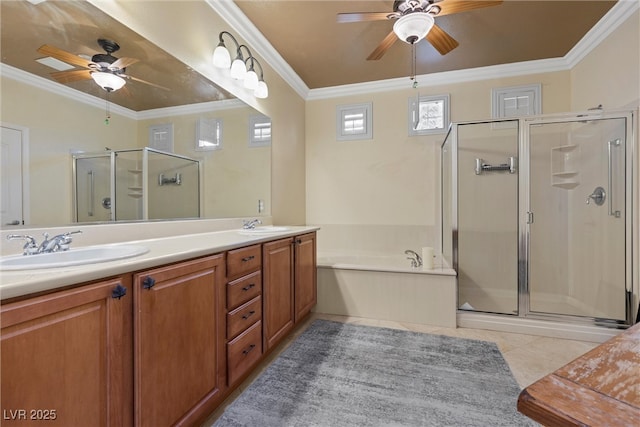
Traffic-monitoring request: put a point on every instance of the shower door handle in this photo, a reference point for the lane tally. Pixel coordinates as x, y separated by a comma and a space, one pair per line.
610, 145
92, 194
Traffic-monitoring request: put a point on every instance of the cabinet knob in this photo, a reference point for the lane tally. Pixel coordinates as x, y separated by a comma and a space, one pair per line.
249, 286
298, 241
118, 292
248, 350
148, 282
248, 258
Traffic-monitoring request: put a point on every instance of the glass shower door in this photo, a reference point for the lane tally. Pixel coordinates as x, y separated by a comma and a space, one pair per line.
487, 217
578, 218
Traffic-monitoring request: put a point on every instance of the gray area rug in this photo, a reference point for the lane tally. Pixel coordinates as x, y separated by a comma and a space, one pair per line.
338, 374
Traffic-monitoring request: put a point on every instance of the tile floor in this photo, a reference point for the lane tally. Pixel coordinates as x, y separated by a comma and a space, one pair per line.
530, 357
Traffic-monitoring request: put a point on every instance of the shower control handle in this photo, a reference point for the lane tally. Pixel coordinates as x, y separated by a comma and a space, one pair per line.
598, 196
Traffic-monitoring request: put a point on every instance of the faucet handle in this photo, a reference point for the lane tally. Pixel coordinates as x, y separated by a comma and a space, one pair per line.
30, 247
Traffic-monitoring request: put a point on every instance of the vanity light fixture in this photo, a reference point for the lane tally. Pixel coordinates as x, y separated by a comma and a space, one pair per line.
108, 81
241, 69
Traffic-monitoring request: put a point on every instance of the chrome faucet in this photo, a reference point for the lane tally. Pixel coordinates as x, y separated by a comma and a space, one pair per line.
57, 243
249, 225
30, 247
416, 260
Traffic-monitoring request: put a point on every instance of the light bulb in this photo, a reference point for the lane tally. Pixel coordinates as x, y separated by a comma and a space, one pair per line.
221, 57
251, 80
238, 69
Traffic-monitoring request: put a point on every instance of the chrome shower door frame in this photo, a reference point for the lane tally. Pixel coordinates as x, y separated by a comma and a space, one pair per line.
526, 216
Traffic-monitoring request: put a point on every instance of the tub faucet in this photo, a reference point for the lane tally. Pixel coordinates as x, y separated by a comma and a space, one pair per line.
249, 225
416, 260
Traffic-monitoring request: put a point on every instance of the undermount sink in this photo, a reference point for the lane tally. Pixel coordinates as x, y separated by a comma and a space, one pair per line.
267, 229
74, 256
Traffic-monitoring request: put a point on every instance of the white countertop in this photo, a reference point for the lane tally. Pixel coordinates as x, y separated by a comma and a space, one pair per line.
164, 250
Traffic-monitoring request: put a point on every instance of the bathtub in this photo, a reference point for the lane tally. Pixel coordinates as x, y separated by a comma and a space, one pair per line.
386, 287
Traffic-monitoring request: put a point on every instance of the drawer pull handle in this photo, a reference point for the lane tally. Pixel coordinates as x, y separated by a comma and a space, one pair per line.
148, 282
251, 347
249, 314
248, 258
118, 292
249, 286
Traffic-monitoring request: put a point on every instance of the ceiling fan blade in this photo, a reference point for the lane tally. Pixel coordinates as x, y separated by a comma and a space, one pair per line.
71, 76
63, 56
383, 47
442, 41
364, 17
142, 81
122, 63
448, 7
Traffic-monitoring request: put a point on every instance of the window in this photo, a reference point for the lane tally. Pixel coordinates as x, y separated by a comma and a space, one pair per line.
161, 137
516, 101
259, 131
208, 134
428, 115
354, 122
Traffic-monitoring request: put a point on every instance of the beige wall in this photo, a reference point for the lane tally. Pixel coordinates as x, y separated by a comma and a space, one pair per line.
393, 179
610, 73
195, 48
233, 178
57, 126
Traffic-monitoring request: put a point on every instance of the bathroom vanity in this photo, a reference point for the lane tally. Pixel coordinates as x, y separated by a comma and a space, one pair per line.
159, 339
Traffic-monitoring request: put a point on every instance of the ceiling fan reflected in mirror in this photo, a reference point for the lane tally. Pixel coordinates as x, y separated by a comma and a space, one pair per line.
104, 68
415, 21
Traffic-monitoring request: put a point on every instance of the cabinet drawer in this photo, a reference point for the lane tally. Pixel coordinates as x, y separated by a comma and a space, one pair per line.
244, 351
244, 289
244, 316
244, 260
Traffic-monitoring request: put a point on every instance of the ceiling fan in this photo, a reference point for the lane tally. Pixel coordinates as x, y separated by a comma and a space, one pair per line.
104, 68
415, 21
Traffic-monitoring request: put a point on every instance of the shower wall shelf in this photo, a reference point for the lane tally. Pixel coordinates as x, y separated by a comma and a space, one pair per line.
564, 166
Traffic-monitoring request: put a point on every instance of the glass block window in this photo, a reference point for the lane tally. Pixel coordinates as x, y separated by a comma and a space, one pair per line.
208, 134
428, 115
354, 122
516, 101
259, 131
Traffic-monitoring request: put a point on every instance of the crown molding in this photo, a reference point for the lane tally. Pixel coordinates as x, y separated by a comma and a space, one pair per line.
199, 108
617, 15
443, 78
62, 90
239, 22
231, 13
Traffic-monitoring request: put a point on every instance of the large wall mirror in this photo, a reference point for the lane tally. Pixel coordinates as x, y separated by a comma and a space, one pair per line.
49, 115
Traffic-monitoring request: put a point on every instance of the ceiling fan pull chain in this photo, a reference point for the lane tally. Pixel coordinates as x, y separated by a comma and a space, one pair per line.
107, 109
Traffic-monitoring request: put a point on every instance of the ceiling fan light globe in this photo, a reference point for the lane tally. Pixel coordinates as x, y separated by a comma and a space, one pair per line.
221, 57
108, 81
238, 69
262, 91
251, 80
413, 27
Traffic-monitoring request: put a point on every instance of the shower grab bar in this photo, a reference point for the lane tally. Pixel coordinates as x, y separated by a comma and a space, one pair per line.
610, 144
92, 194
481, 166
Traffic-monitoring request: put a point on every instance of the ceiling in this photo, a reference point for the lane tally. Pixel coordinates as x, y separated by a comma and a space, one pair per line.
322, 52
75, 26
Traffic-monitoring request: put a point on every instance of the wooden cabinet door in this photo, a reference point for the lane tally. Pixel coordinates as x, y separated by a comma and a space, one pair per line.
306, 295
179, 336
66, 357
277, 290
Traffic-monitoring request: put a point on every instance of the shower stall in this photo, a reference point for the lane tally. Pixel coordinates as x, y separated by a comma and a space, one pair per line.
135, 184
538, 217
